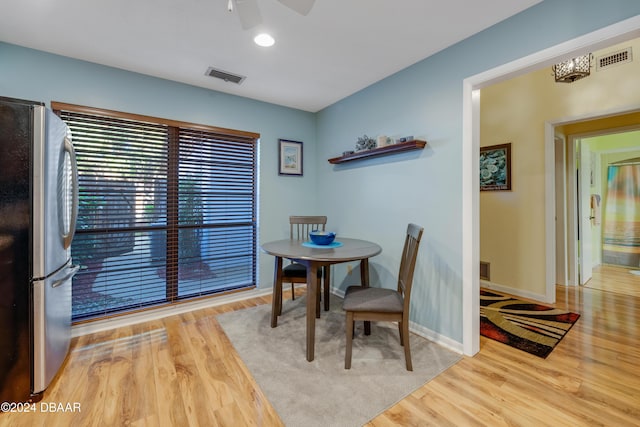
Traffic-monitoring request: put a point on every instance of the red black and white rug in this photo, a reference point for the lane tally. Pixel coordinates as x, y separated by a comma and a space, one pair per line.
528, 326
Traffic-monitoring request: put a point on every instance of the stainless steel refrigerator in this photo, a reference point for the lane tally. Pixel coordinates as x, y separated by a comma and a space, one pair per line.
38, 209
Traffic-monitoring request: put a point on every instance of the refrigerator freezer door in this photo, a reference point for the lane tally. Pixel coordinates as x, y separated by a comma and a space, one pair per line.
51, 325
16, 136
54, 193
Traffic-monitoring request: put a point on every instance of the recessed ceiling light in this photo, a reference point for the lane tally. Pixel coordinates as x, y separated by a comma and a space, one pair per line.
264, 40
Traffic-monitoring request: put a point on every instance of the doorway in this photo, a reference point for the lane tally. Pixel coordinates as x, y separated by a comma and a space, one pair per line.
600, 238
607, 36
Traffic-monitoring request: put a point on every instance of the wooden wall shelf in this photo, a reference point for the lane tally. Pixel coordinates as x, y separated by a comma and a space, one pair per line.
381, 151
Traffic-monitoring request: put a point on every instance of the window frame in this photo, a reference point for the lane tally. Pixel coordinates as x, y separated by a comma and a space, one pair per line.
171, 210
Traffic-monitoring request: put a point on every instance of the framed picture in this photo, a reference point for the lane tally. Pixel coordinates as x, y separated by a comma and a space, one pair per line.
495, 167
290, 158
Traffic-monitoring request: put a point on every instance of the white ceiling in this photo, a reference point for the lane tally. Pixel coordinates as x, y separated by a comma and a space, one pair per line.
340, 47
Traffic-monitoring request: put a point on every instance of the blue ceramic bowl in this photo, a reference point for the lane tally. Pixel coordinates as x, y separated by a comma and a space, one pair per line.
322, 237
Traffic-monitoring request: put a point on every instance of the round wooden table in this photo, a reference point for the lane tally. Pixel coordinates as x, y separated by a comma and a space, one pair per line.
314, 258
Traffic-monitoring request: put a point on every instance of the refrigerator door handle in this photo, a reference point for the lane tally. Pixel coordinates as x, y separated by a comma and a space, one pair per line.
74, 269
68, 238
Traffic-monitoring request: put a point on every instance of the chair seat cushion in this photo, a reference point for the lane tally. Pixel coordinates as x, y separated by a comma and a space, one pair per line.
297, 270
358, 298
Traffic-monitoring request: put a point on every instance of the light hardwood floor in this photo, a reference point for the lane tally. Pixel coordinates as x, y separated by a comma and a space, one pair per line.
182, 371
611, 278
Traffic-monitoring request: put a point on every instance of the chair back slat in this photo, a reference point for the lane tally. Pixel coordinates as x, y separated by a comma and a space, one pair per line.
300, 226
408, 261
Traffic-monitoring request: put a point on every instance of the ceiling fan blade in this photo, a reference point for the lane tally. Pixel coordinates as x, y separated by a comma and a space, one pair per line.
249, 13
303, 7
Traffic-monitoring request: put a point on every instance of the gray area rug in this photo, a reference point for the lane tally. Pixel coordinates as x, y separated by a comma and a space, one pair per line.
322, 392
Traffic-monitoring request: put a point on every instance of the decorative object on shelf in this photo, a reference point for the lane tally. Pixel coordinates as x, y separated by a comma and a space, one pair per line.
406, 138
365, 143
290, 158
346, 153
495, 167
384, 140
380, 151
573, 69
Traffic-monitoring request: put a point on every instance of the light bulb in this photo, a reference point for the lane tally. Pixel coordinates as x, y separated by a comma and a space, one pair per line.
264, 40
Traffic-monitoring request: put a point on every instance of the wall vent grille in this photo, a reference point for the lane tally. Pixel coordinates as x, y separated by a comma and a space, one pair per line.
485, 271
225, 75
620, 57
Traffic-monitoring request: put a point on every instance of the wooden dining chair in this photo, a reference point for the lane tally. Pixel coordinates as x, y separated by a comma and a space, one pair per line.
382, 304
299, 228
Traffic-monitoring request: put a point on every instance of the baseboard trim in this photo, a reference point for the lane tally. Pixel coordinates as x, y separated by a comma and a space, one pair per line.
439, 339
424, 332
515, 292
162, 312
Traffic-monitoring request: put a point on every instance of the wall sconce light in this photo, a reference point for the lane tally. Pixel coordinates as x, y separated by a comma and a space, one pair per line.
573, 69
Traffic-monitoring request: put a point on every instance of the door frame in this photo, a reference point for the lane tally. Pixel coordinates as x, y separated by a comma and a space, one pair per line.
561, 218
573, 255
471, 86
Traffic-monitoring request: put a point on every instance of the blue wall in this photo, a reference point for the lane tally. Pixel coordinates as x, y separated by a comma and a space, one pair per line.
35, 75
373, 199
425, 187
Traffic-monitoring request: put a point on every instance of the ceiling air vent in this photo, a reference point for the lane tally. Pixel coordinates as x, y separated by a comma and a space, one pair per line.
224, 75
619, 57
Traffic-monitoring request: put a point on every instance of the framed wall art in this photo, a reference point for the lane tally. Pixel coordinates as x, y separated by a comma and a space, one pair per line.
290, 158
495, 167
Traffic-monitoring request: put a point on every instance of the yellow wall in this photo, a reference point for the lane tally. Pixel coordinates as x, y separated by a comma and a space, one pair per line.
617, 121
512, 223
613, 148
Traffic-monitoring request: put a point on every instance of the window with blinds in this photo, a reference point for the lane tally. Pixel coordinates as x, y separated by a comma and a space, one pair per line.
167, 210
